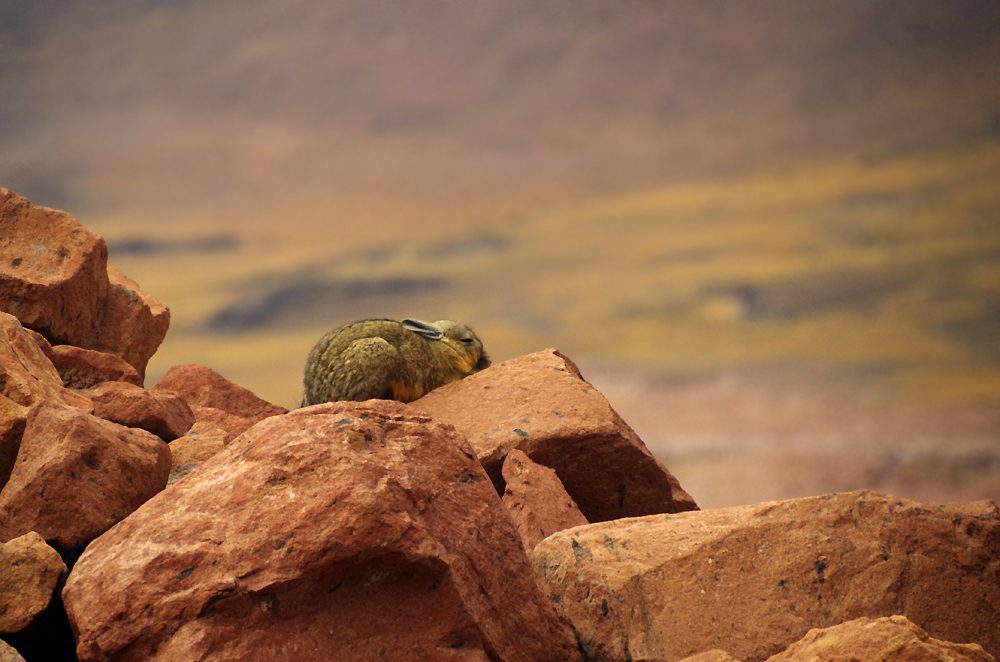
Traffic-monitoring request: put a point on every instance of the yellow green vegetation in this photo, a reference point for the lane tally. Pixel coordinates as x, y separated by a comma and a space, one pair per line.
890, 266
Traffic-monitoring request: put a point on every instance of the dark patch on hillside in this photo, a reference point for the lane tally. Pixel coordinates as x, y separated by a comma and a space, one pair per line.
314, 299
858, 291
145, 246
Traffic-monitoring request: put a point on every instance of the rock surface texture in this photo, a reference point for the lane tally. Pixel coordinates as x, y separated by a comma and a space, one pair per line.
536, 500
84, 368
753, 579
539, 404
877, 640
55, 278
367, 530
30, 574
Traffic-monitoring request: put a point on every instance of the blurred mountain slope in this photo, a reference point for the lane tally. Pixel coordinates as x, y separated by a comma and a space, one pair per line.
751, 206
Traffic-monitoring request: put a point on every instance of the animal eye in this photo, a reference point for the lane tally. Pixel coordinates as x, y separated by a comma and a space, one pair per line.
467, 341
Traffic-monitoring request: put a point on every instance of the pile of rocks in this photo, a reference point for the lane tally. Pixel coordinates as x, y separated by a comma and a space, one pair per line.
509, 516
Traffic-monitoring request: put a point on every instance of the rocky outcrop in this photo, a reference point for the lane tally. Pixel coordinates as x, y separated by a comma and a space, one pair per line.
753, 579
55, 278
346, 528
77, 475
539, 404
537, 502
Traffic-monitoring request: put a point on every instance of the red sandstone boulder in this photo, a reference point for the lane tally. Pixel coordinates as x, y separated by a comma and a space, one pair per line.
77, 475
347, 531
537, 502
196, 447
30, 573
215, 399
878, 640
540, 404
54, 277
28, 374
84, 368
163, 413
752, 580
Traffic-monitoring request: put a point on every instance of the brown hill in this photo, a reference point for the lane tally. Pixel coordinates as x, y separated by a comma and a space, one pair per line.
694, 189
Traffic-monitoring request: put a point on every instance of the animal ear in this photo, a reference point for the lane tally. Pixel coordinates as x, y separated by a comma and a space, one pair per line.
423, 329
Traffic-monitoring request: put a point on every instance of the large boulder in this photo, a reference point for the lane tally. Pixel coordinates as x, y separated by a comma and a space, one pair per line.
348, 531
539, 404
752, 580
77, 475
55, 278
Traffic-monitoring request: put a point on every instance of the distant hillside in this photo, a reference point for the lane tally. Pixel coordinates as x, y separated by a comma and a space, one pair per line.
683, 186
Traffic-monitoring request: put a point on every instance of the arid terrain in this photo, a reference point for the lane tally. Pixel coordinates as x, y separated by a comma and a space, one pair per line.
769, 233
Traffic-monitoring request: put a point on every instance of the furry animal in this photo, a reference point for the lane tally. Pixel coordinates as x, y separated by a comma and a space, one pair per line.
390, 360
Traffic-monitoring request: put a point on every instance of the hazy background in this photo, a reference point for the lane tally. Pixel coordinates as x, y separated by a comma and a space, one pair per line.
768, 232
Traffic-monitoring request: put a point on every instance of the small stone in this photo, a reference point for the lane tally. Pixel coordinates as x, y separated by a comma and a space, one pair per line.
30, 573
163, 413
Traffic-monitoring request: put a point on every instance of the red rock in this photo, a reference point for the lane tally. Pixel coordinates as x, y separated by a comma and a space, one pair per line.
347, 531
192, 450
77, 475
877, 640
55, 270
40, 340
540, 404
536, 500
231, 424
201, 386
30, 573
83, 368
12, 419
133, 323
752, 580
163, 413
28, 375
54, 277
714, 655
